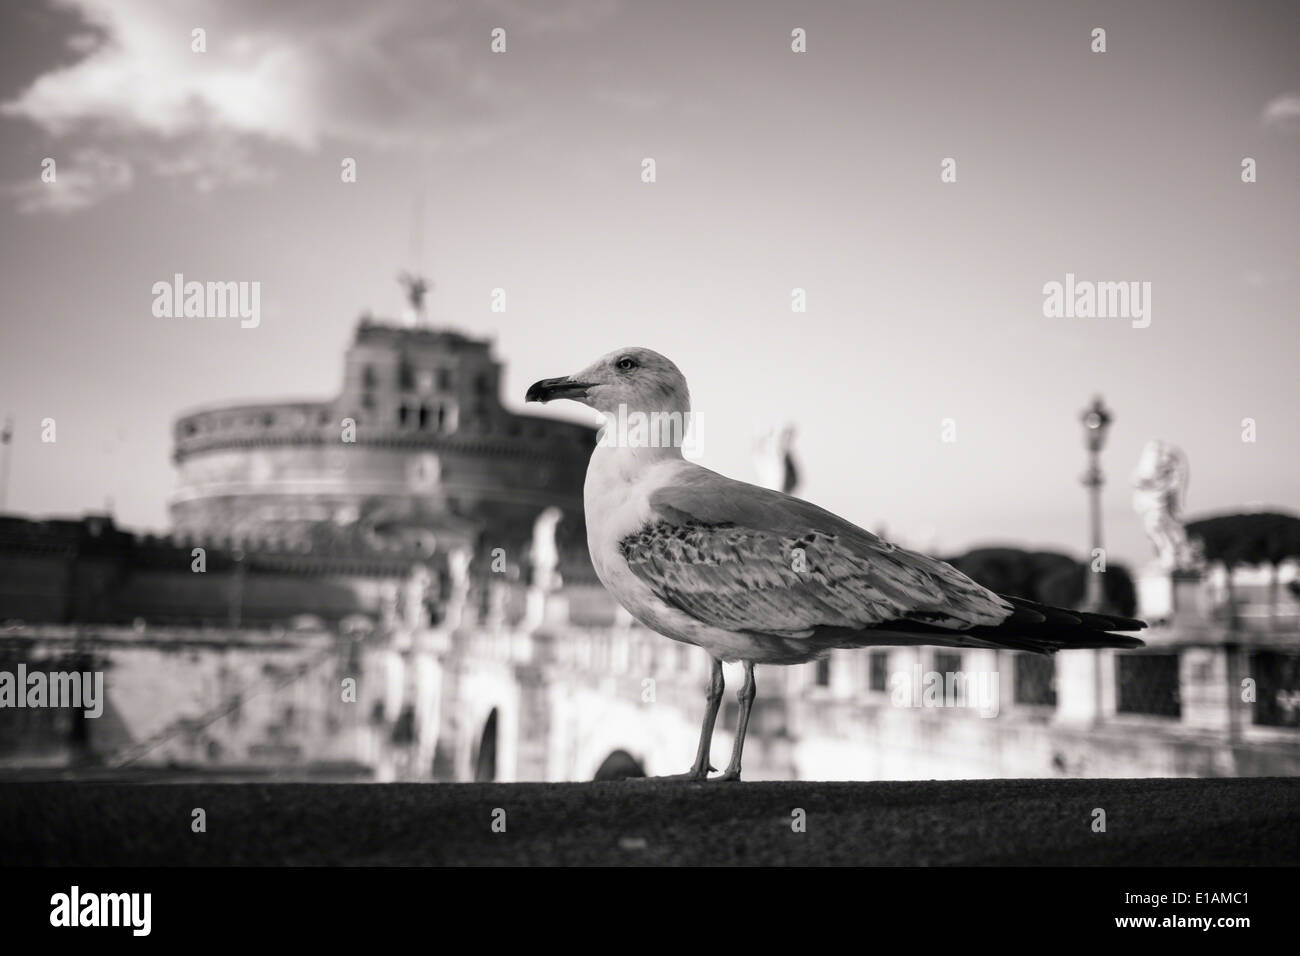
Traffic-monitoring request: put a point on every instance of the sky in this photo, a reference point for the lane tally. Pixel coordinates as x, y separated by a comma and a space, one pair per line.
775, 170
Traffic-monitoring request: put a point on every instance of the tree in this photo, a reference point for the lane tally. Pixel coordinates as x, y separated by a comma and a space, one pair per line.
1046, 577
1254, 538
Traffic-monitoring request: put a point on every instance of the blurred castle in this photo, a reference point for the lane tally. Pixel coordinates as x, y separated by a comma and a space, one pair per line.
416, 456
394, 584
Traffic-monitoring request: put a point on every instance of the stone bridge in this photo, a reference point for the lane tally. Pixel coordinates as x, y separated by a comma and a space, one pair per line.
558, 703
488, 704
538, 686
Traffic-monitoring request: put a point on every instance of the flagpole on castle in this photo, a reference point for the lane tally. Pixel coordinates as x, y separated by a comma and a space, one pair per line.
413, 280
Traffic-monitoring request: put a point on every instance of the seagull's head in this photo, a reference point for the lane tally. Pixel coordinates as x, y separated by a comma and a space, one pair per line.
640, 380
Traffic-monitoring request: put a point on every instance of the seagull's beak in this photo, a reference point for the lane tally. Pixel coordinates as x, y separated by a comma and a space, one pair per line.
552, 388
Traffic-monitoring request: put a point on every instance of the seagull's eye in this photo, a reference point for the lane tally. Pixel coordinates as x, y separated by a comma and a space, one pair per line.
627, 364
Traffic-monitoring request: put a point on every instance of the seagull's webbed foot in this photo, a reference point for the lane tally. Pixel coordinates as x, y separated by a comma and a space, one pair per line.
694, 775
689, 776
727, 777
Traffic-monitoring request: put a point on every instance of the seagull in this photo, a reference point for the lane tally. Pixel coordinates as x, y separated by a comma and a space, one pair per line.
760, 577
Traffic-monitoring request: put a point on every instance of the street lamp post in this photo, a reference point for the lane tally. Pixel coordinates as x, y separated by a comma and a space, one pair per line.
1096, 420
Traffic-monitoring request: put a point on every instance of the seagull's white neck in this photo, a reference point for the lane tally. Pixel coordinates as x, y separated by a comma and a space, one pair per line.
632, 442
626, 464
616, 496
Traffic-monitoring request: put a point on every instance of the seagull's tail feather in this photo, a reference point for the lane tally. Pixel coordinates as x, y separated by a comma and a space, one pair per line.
1031, 627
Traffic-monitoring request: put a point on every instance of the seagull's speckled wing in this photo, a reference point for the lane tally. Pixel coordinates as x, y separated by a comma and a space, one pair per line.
744, 558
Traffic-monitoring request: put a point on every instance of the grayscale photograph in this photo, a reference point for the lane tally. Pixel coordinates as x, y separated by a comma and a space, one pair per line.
612, 433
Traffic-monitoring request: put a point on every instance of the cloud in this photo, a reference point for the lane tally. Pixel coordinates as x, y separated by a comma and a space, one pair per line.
1283, 111
208, 162
296, 74
281, 79
90, 176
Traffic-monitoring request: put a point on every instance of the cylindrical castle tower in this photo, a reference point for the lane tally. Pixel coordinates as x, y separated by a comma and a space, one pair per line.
417, 446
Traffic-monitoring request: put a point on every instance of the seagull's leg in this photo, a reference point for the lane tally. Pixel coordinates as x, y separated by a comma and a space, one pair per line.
746, 697
700, 769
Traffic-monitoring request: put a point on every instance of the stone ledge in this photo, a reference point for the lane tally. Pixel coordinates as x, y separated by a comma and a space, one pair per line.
1152, 822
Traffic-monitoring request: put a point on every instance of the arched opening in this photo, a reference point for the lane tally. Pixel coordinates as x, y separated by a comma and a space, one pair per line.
620, 765
485, 760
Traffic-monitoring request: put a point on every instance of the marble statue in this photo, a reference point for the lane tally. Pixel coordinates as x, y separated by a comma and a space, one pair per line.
415, 595
774, 458
1160, 482
545, 555
458, 562
417, 287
